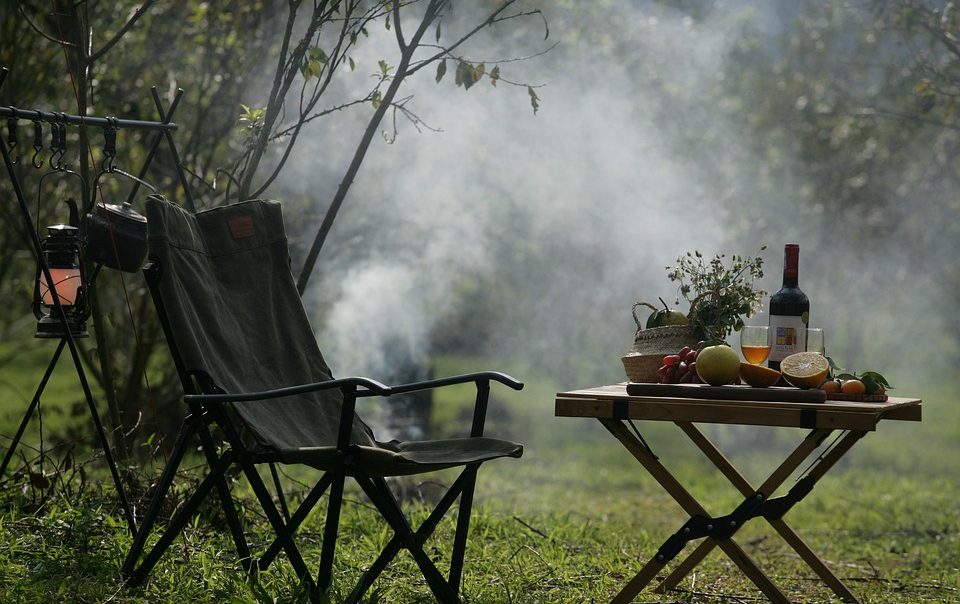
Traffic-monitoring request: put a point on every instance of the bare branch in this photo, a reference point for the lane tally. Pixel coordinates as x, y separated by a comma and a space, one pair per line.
447, 50
290, 129
401, 73
141, 10
396, 26
37, 29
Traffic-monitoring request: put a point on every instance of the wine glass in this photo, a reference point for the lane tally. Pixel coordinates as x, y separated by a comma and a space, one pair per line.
815, 342
755, 343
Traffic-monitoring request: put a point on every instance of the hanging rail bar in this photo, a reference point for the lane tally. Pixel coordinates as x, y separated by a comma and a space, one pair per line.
66, 118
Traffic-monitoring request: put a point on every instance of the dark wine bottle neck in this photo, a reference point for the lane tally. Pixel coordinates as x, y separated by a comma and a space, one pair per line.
791, 265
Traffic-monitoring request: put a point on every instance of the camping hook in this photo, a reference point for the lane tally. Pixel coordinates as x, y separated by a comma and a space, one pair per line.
12, 135
62, 150
54, 144
37, 159
109, 146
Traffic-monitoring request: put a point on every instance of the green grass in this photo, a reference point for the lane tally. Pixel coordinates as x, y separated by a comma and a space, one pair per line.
571, 521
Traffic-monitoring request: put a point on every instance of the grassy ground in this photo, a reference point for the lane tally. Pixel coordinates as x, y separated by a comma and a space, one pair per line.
570, 522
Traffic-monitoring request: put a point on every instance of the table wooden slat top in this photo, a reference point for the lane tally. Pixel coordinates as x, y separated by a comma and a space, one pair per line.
613, 402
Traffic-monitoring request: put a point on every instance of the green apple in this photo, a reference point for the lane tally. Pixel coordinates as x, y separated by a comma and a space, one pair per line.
718, 365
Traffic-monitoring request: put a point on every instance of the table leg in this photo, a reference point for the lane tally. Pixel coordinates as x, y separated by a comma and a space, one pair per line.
787, 533
690, 506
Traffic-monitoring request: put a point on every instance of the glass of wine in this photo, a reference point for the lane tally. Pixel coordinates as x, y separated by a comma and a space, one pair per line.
755, 343
815, 342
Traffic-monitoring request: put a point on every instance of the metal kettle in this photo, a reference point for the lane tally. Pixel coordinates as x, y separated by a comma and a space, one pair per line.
116, 236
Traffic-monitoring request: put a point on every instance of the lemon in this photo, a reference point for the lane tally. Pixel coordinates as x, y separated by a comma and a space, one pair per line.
718, 365
805, 369
758, 376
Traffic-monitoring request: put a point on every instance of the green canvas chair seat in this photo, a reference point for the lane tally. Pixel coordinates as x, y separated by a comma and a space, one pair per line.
251, 368
396, 458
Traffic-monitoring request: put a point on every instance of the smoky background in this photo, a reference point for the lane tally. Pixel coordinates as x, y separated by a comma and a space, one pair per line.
524, 239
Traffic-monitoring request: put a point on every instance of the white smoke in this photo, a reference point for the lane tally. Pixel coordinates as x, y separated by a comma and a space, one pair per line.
577, 209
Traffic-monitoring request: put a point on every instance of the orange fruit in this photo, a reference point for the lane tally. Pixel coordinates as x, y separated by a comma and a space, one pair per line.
758, 376
805, 369
853, 387
830, 386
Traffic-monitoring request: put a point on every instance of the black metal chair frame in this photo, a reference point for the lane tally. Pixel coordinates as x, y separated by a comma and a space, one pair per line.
207, 402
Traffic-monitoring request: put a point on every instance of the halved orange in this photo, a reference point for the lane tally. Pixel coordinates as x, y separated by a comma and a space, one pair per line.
758, 376
805, 369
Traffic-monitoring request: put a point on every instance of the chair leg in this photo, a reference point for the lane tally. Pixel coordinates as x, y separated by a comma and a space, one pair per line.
382, 497
296, 520
166, 479
463, 527
134, 576
280, 496
226, 501
366, 580
325, 573
396, 544
266, 503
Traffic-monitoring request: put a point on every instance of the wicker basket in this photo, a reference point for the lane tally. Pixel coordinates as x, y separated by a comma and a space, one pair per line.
651, 345
665, 340
642, 367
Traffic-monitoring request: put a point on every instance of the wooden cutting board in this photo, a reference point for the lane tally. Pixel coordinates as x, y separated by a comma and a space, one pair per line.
862, 398
729, 393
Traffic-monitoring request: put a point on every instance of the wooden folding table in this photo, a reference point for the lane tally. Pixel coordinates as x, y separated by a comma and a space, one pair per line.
615, 407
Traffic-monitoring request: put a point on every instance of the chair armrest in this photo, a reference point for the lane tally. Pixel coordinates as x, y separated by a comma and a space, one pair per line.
371, 386
466, 378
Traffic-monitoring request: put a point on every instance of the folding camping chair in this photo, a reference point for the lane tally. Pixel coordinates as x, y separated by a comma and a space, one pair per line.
253, 374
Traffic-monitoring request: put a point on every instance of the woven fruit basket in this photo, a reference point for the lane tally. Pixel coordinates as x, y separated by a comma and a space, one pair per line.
651, 345
642, 367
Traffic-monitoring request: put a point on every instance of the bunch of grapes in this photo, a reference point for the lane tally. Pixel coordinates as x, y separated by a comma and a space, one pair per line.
680, 368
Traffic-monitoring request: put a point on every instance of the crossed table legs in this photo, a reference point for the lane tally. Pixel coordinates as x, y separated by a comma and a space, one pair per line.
719, 531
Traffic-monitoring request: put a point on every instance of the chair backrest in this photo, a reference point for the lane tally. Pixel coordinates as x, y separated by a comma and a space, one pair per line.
232, 312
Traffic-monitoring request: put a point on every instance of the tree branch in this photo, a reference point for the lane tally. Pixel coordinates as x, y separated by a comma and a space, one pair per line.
37, 29
447, 50
358, 156
141, 10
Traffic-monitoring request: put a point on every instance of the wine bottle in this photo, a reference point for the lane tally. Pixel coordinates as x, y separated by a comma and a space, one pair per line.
789, 311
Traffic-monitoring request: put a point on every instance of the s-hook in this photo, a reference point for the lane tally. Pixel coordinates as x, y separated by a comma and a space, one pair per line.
62, 149
54, 144
37, 159
12, 135
109, 146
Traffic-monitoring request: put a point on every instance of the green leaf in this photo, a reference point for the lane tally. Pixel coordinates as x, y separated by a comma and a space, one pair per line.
494, 75
441, 70
873, 375
317, 54
439, 24
353, 65
251, 117
377, 99
870, 384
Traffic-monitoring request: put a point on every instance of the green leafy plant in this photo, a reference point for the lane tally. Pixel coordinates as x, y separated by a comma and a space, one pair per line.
719, 295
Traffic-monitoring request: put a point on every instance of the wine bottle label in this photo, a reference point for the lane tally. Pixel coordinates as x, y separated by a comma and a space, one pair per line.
787, 336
